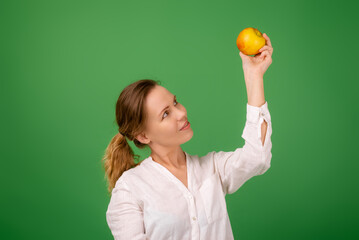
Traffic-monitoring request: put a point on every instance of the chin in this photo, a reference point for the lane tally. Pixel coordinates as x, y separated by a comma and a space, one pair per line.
189, 135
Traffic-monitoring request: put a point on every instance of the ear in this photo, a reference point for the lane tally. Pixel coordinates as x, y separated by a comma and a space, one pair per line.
143, 138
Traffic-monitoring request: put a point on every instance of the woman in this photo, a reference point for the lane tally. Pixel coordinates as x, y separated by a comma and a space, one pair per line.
171, 194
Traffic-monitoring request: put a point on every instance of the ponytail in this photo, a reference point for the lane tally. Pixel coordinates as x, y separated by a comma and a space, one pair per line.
118, 158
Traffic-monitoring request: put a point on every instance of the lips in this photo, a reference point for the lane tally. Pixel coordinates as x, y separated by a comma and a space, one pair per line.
184, 125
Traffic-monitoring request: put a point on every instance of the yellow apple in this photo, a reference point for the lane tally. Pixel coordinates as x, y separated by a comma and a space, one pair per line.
250, 40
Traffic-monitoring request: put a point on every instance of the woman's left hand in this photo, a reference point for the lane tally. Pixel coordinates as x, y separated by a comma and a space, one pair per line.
258, 64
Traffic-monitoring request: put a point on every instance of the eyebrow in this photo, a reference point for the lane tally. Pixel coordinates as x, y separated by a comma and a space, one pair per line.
174, 98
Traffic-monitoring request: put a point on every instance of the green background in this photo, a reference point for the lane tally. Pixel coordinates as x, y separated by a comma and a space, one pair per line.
64, 64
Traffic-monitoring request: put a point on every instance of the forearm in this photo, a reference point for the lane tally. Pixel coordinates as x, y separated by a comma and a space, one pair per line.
255, 89
255, 95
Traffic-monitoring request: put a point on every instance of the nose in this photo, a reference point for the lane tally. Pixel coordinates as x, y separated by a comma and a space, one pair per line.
181, 114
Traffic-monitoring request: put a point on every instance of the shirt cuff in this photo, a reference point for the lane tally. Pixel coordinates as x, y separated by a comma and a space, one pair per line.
256, 115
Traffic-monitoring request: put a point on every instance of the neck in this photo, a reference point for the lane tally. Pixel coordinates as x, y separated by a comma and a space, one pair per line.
175, 159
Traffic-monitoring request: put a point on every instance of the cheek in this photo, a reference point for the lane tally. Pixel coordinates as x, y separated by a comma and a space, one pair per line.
170, 127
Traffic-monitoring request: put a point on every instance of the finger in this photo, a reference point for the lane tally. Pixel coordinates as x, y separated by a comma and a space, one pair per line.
265, 47
267, 58
267, 39
268, 42
265, 54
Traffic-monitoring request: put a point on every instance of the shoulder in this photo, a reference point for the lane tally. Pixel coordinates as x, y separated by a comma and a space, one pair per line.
133, 173
203, 164
207, 159
210, 160
134, 178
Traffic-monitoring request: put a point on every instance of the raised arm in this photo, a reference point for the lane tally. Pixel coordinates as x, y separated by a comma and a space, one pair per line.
254, 69
236, 167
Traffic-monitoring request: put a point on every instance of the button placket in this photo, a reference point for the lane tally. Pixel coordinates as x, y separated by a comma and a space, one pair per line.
192, 208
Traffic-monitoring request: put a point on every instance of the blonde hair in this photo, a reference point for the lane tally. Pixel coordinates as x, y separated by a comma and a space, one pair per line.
131, 119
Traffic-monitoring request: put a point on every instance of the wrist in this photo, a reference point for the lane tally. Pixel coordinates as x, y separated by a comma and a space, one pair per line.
252, 75
253, 80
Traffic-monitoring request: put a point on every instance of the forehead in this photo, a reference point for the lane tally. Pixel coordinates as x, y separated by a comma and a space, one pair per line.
157, 99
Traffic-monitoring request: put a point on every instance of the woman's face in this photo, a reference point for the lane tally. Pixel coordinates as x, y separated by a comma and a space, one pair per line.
166, 116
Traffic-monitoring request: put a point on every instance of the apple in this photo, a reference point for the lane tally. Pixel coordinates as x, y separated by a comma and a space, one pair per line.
250, 40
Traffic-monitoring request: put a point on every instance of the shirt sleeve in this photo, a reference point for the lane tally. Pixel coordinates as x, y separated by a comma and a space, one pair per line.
124, 214
238, 166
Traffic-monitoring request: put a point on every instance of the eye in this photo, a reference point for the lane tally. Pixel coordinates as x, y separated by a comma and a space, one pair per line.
167, 111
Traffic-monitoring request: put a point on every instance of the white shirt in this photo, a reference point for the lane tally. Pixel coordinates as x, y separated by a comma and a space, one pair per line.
149, 202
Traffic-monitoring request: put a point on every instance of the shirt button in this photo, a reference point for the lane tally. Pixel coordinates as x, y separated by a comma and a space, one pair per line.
262, 114
194, 218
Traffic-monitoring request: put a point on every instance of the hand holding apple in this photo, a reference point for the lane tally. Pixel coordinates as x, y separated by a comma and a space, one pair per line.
261, 61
